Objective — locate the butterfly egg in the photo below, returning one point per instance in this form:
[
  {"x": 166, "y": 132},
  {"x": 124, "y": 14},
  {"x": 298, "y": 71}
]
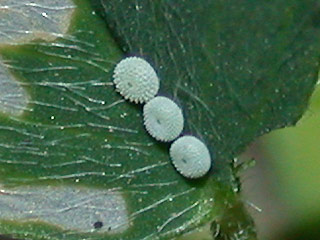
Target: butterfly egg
[
  {"x": 163, "y": 119},
  {"x": 136, "y": 80},
  {"x": 190, "y": 157}
]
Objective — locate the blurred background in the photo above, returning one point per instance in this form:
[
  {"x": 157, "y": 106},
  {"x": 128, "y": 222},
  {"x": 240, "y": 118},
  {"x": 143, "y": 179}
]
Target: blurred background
[
  {"x": 282, "y": 190},
  {"x": 284, "y": 184}
]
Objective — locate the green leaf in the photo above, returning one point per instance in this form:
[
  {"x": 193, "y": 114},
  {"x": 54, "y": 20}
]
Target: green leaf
[{"x": 237, "y": 68}]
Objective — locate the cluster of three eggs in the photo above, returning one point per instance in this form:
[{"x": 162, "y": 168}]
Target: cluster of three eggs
[{"x": 136, "y": 81}]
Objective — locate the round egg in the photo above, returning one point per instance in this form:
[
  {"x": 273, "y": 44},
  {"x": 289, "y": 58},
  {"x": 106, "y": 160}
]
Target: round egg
[
  {"x": 190, "y": 157},
  {"x": 163, "y": 119},
  {"x": 136, "y": 80}
]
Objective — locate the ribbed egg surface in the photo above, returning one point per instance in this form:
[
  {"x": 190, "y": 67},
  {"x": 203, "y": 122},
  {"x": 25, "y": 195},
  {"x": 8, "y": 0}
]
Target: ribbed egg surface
[
  {"x": 136, "y": 80},
  {"x": 163, "y": 119},
  {"x": 190, "y": 157}
]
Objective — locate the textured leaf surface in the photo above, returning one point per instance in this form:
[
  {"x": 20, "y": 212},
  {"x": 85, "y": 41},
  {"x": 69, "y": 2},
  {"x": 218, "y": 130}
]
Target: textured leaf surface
[{"x": 237, "y": 68}]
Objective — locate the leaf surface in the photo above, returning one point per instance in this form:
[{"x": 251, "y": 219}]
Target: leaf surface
[{"x": 237, "y": 69}]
